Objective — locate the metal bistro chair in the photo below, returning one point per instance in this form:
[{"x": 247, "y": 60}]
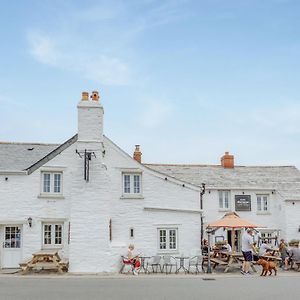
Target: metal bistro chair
[
  {"x": 195, "y": 262},
  {"x": 154, "y": 263},
  {"x": 169, "y": 261}
]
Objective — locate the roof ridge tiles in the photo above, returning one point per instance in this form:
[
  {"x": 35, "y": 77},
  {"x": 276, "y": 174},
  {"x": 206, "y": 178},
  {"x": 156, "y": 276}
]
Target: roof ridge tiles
[
  {"x": 29, "y": 143},
  {"x": 218, "y": 166}
]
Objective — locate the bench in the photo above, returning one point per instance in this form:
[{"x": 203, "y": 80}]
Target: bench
[
  {"x": 297, "y": 263},
  {"x": 24, "y": 264},
  {"x": 217, "y": 262},
  {"x": 64, "y": 263}
]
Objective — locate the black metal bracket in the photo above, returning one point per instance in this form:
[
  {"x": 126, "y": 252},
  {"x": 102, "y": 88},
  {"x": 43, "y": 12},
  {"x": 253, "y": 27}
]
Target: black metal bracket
[{"x": 87, "y": 155}]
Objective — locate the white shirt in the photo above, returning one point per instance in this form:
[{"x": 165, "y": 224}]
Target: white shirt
[
  {"x": 247, "y": 241},
  {"x": 263, "y": 249},
  {"x": 228, "y": 248}
]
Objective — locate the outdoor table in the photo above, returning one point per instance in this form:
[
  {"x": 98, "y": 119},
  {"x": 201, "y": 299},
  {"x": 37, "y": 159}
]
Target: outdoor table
[
  {"x": 271, "y": 258},
  {"x": 181, "y": 264},
  {"x": 44, "y": 259},
  {"x": 143, "y": 261},
  {"x": 236, "y": 258}
]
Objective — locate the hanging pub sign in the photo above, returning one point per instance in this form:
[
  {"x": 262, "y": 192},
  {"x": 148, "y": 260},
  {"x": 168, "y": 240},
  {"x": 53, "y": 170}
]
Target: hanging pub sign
[{"x": 242, "y": 202}]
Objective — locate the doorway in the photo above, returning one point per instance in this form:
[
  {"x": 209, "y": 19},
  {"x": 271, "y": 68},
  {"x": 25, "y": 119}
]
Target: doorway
[
  {"x": 11, "y": 236},
  {"x": 237, "y": 239}
]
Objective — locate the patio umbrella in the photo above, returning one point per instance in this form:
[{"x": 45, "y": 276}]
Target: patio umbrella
[{"x": 233, "y": 221}]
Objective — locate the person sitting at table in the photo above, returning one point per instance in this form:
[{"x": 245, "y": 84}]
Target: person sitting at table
[
  {"x": 264, "y": 248},
  {"x": 226, "y": 247},
  {"x": 294, "y": 255},
  {"x": 205, "y": 247},
  {"x": 132, "y": 259}
]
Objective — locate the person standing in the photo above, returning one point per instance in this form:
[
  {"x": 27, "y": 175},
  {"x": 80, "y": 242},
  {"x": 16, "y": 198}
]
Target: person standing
[{"x": 247, "y": 248}]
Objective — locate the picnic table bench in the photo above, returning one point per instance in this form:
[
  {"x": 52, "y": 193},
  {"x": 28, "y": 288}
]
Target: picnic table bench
[{"x": 45, "y": 259}]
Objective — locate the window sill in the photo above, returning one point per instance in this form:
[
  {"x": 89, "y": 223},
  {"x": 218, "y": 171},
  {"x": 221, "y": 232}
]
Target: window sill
[
  {"x": 224, "y": 209},
  {"x": 132, "y": 196},
  {"x": 263, "y": 213},
  {"x": 51, "y": 196},
  {"x": 171, "y": 252},
  {"x": 45, "y": 247}
]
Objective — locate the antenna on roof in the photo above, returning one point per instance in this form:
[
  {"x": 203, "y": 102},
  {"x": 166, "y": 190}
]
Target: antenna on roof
[{"x": 87, "y": 155}]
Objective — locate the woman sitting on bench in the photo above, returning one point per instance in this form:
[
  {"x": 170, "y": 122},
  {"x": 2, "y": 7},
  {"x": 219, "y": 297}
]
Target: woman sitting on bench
[{"x": 132, "y": 260}]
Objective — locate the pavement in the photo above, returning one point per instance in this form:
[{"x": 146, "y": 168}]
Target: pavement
[{"x": 144, "y": 287}]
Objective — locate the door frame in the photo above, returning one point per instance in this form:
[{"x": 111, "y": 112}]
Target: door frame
[{"x": 2, "y": 238}]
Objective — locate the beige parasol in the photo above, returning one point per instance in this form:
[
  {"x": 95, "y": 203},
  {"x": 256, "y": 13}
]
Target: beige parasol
[{"x": 232, "y": 220}]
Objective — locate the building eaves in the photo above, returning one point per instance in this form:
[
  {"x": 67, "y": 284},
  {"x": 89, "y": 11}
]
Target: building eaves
[{"x": 52, "y": 154}]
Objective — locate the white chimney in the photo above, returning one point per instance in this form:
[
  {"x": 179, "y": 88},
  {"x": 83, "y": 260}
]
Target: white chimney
[{"x": 90, "y": 118}]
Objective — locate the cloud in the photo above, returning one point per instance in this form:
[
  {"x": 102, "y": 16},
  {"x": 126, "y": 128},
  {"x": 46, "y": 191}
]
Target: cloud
[
  {"x": 101, "y": 68},
  {"x": 43, "y": 48}
]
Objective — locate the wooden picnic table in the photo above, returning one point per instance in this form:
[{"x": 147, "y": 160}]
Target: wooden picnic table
[
  {"x": 44, "y": 259},
  {"x": 271, "y": 257},
  {"x": 235, "y": 259}
]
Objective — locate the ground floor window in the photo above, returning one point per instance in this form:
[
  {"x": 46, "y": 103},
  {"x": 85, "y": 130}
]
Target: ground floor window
[
  {"x": 52, "y": 234},
  {"x": 12, "y": 237},
  {"x": 167, "y": 239}
]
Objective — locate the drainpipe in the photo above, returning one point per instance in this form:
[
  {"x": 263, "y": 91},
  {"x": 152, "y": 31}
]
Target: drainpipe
[{"x": 202, "y": 192}]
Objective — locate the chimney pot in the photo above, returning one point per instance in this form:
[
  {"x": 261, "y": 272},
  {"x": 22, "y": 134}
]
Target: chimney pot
[
  {"x": 137, "y": 155},
  {"x": 85, "y": 96},
  {"x": 95, "y": 96},
  {"x": 227, "y": 161}
]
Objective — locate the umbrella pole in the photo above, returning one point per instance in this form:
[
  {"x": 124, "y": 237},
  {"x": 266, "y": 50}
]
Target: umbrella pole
[{"x": 233, "y": 240}]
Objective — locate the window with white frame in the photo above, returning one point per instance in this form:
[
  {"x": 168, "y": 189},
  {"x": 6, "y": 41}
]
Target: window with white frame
[
  {"x": 51, "y": 183},
  {"x": 132, "y": 183},
  {"x": 52, "y": 235},
  {"x": 262, "y": 203},
  {"x": 167, "y": 239},
  {"x": 224, "y": 197}
]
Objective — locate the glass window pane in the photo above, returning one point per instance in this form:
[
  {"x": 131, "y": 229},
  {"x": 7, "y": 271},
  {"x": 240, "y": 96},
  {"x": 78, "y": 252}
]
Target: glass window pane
[
  {"x": 162, "y": 239},
  {"x": 58, "y": 234},
  {"x": 220, "y": 199},
  {"x": 265, "y": 203},
  {"x": 136, "y": 184},
  {"x": 258, "y": 203},
  {"x": 57, "y": 183},
  {"x": 172, "y": 239},
  {"x": 47, "y": 234},
  {"x": 46, "y": 183},
  {"x": 226, "y": 203},
  {"x": 126, "y": 183}
]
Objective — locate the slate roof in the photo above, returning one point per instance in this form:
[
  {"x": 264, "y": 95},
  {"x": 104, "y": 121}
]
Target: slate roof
[
  {"x": 19, "y": 156},
  {"x": 284, "y": 179}
]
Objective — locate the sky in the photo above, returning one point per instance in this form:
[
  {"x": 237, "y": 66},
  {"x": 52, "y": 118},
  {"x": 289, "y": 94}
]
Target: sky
[{"x": 187, "y": 80}]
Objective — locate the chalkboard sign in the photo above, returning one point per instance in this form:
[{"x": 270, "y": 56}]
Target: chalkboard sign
[{"x": 242, "y": 202}]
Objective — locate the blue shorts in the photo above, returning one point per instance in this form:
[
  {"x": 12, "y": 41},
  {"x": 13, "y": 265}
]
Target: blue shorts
[{"x": 248, "y": 255}]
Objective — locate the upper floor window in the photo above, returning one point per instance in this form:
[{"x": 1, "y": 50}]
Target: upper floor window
[
  {"x": 132, "y": 183},
  {"x": 167, "y": 239},
  {"x": 52, "y": 235},
  {"x": 52, "y": 182},
  {"x": 262, "y": 203},
  {"x": 224, "y": 199}
]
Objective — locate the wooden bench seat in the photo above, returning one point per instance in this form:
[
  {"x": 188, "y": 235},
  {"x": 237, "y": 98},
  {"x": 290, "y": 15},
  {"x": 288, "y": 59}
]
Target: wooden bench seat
[
  {"x": 297, "y": 263},
  {"x": 23, "y": 265},
  {"x": 218, "y": 262},
  {"x": 64, "y": 263}
]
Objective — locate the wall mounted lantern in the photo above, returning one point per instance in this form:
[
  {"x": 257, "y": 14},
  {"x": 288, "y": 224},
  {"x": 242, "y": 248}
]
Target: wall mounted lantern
[{"x": 29, "y": 220}]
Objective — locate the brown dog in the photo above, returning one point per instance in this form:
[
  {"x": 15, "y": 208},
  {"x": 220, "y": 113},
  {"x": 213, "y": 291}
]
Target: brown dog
[{"x": 267, "y": 266}]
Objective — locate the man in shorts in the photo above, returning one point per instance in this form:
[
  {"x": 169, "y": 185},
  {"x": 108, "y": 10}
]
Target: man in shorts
[{"x": 247, "y": 247}]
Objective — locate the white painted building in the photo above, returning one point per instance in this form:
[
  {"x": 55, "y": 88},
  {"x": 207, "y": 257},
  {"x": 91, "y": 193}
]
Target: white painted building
[
  {"x": 90, "y": 199},
  {"x": 49, "y": 199}
]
